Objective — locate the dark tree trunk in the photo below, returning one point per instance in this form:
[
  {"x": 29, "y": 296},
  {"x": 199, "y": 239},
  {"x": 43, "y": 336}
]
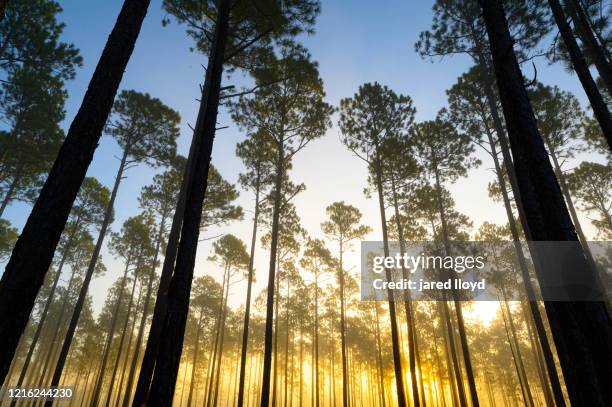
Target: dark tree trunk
[
  {"x": 582, "y": 70},
  {"x": 109, "y": 340},
  {"x": 141, "y": 328},
  {"x": 120, "y": 389},
  {"x": 111, "y": 384},
  {"x": 457, "y": 302},
  {"x": 161, "y": 301},
  {"x": 594, "y": 49},
  {"x": 59, "y": 367},
  {"x": 247, "y": 310},
  {"x": 9, "y": 193},
  {"x": 397, "y": 356},
  {"x": 267, "y": 363},
  {"x": 43, "y": 316},
  {"x": 343, "y": 332},
  {"x": 196, "y": 349},
  {"x": 508, "y": 162},
  {"x": 585, "y": 358},
  {"x": 145, "y": 312},
  {"x": 407, "y": 304},
  {"x": 33, "y": 252},
  {"x": 168, "y": 357}
]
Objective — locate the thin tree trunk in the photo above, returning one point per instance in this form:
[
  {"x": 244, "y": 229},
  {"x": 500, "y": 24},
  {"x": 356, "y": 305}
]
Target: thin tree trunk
[
  {"x": 458, "y": 311},
  {"x": 381, "y": 372},
  {"x": 109, "y": 338},
  {"x": 397, "y": 357},
  {"x": 247, "y": 310},
  {"x": 343, "y": 331},
  {"x": 594, "y": 49},
  {"x": 9, "y": 193},
  {"x": 221, "y": 340},
  {"x": 267, "y": 363},
  {"x": 123, "y": 332},
  {"x": 407, "y": 303},
  {"x": 33, "y": 252},
  {"x": 213, "y": 353},
  {"x": 196, "y": 348},
  {"x": 168, "y": 357},
  {"x": 585, "y": 357},
  {"x": 59, "y": 367},
  {"x": 582, "y": 70},
  {"x": 120, "y": 388},
  {"x": 43, "y": 316},
  {"x": 145, "y": 312}
]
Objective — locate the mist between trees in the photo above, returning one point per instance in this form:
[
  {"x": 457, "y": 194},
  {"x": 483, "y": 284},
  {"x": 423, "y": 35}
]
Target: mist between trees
[{"x": 168, "y": 335}]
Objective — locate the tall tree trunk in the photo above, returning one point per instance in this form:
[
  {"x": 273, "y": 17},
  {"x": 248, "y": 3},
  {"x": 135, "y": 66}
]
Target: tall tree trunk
[
  {"x": 59, "y": 367},
  {"x": 519, "y": 356},
  {"x": 221, "y": 340},
  {"x": 343, "y": 331},
  {"x": 570, "y": 206},
  {"x": 51, "y": 349},
  {"x": 316, "y": 338},
  {"x": 161, "y": 300},
  {"x": 109, "y": 339},
  {"x": 33, "y": 252},
  {"x": 267, "y": 363},
  {"x": 407, "y": 303},
  {"x": 247, "y": 310},
  {"x": 120, "y": 388},
  {"x": 381, "y": 372},
  {"x": 10, "y": 192},
  {"x": 43, "y": 315},
  {"x": 455, "y": 375},
  {"x": 530, "y": 291},
  {"x": 582, "y": 70},
  {"x": 457, "y": 302},
  {"x": 145, "y": 312},
  {"x": 111, "y": 384},
  {"x": 196, "y": 348},
  {"x": 594, "y": 49},
  {"x": 397, "y": 357},
  {"x": 585, "y": 358},
  {"x": 276, "y": 319},
  {"x": 485, "y": 69},
  {"x": 168, "y": 357},
  {"x": 212, "y": 360}
]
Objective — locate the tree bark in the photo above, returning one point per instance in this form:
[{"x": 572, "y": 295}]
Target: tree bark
[
  {"x": 458, "y": 311},
  {"x": 33, "y": 252},
  {"x": 196, "y": 348},
  {"x": 43, "y": 315},
  {"x": 59, "y": 367},
  {"x": 123, "y": 332},
  {"x": 247, "y": 310},
  {"x": 407, "y": 304},
  {"x": 508, "y": 163},
  {"x": 585, "y": 358},
  {"x": 397, "y": 357},
  {"x": 168, "y": 357},
  {"x": 161, "y": 301},
  {"x": 594, "y": 49},
  {"x": 109, "y": 340},
  {"x": 145, "y": 312},
  {"x": 267, "y": 363},
  {"x": 10, "y": 192},
  {"x": 582, "y": 70}
]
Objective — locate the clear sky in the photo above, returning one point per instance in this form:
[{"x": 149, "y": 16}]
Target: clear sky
[{"x": 355, "y": 42}]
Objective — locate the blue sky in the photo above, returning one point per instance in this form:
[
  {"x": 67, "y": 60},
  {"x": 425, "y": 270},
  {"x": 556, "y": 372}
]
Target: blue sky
[{"x": 355, "y": 42}]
